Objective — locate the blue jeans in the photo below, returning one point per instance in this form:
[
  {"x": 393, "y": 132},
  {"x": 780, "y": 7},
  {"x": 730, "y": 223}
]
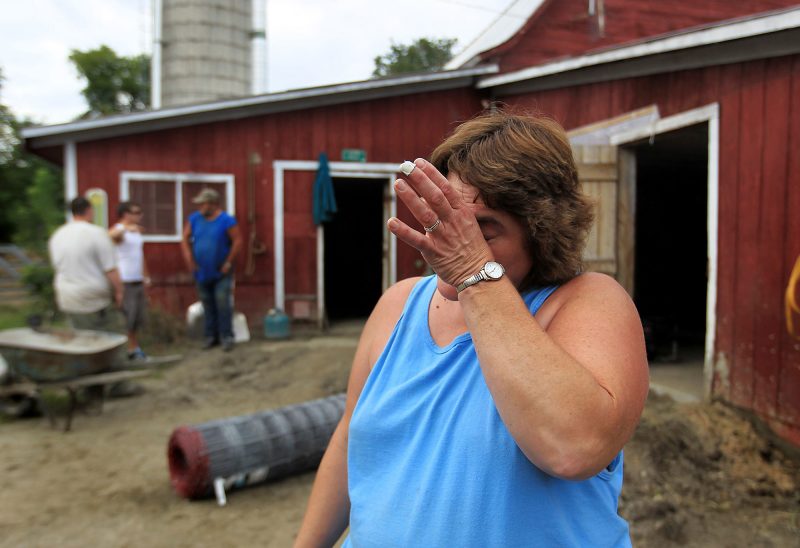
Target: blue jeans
[{"x": 216, "y": 298}]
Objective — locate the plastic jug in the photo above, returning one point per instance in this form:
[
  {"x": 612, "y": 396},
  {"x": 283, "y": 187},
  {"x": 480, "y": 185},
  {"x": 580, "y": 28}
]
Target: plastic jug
[{"x": 276, "y": 324}]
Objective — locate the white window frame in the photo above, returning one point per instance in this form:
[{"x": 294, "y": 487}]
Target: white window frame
[{"x": 125, "y": 177}]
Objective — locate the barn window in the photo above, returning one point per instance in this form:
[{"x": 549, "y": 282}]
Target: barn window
[{"x": 166, "y": 199}]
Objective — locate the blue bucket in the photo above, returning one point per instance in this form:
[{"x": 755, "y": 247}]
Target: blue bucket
[{"x": 276, "y": 324}]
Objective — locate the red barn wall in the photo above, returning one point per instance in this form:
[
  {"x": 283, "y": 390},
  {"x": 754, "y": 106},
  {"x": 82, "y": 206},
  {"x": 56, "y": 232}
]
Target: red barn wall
[
  {"x": 563, "y": 28},
  {"x": 757, "y": 363},
  {"x": 389, "y": 130}
]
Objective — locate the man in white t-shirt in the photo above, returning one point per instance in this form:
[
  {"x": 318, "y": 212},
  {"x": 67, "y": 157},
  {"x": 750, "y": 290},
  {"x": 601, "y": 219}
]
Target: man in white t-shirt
[
  {"x": 127, "y": 235},
  {"x": 87, "y": 282}
]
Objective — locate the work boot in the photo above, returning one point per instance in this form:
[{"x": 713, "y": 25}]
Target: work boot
[
  {"x": 227, "y": 344},
  {"x": 137, "y": 355}
]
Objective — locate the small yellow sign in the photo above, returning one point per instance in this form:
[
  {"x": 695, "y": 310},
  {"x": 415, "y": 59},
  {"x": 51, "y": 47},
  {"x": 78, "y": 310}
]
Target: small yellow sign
[{"x": 99, "y": 200}]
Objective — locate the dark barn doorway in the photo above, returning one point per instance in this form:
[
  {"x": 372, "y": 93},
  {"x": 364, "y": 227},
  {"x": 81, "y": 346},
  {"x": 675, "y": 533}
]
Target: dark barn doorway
[
  {"x": 354, "y": 249},
  {"x": 671, "y": 270}
]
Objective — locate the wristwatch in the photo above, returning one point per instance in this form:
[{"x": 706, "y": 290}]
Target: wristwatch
[{"x": 490, "y": 272}]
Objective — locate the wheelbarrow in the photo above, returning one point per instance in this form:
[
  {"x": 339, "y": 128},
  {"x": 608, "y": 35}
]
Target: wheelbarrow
[{"x": 68, "y": 359}]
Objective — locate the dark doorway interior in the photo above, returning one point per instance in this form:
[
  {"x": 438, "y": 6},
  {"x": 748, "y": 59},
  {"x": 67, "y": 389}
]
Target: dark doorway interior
[
  {"x": 671, "y": 242},
  {"x": 354, "y": 249}
]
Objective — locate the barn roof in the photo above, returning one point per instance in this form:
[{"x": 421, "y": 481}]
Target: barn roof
[
  {"x": 508, "y": 23},
  {"x": 760, "y": 36},
  {"x": 230, "y": 109}
]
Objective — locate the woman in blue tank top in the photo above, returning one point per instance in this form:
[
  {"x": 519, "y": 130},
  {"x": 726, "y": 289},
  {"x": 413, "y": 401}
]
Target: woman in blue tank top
[{"x": 488, "y": 404}]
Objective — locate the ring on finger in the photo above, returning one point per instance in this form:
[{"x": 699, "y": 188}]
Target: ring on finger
[{"x": 433, "y": 227}]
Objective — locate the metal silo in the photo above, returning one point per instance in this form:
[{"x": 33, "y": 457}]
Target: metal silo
[{"x": 203, "y": 50}]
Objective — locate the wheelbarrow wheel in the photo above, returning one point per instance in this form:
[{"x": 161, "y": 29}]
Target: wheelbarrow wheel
[{"x": 19, "y": 406}]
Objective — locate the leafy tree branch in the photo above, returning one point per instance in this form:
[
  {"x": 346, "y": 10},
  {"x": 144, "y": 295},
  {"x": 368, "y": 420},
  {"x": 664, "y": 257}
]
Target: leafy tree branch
[
  {"x": 423, "y": 55},
  {"x": 114, "y": 84}
]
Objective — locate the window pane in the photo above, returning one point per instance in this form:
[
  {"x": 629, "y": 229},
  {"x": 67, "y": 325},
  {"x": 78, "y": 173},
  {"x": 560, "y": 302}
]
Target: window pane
[
  {"x": 157, "y": 199},
  {"x": 192, "y": 188}
]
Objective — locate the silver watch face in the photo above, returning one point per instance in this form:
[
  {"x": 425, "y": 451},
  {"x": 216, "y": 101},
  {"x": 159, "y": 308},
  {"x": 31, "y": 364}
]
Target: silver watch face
[{"x": 493, "y": 270}]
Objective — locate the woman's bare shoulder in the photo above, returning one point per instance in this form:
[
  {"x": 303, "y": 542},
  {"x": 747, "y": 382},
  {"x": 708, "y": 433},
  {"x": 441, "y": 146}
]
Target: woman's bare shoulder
[
  {"x": 385, "y": 315},
  {"x": 590, "y": 281},
  {"x": 603, "y": 291},
  {"x": 391, "y": 303}
]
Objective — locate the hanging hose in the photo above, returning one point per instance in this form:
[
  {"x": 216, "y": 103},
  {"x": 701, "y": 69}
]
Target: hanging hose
[
  {"x": 254, "y": 245},
  {"x": 790, "y": 299}
]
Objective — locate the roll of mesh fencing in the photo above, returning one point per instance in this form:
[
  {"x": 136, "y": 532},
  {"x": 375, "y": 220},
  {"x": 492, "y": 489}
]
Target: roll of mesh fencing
[{"x": 238, "y": 451}]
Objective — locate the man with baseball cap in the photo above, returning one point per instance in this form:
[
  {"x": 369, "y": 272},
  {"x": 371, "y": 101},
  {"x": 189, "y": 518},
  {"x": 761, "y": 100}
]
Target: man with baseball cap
[{"x": 211, "y": 242}]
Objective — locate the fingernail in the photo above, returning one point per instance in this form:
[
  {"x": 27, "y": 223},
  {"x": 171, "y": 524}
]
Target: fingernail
[
  {"x": 400, "y": 185},
  {"x": 393, "y": 224},
  {"x": 407, "y": 167}
]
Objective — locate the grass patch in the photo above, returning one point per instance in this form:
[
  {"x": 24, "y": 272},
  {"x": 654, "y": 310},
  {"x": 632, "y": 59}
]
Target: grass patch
[{"x": 11, "y": 317}]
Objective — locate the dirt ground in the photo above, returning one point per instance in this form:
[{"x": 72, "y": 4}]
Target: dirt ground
[{"x": 696, "y": 475}]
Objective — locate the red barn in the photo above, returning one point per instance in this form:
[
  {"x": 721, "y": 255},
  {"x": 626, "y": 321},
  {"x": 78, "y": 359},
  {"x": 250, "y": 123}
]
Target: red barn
[{"x": 684, "y": 116}]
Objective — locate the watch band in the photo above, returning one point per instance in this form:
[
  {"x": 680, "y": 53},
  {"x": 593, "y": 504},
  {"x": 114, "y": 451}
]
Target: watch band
[{"x": 472, "y": 280}]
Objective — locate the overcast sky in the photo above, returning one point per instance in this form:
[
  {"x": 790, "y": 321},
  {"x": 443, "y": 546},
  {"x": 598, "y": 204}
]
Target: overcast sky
[{"x": 310, "y": 42}]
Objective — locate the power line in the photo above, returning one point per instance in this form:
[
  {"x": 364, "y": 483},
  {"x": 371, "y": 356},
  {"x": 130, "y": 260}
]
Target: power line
[
  {"x": 503, "y": 12},
  {"x": 499, "y": 16}
]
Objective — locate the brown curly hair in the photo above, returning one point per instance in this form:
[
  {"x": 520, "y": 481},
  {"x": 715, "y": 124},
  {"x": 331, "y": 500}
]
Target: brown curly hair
[{"x": 523, "y": 165}]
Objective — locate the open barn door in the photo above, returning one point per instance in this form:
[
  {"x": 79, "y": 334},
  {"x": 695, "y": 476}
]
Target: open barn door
[
  {"x": 608, "y": 175},
  {"x": 602, "y": 172}
]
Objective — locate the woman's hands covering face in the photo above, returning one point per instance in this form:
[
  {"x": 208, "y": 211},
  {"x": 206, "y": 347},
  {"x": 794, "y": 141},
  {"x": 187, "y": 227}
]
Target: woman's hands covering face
[{"x": 452, "y": 244}]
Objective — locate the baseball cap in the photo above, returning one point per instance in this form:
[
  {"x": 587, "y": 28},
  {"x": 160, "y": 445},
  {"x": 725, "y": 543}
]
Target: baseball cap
[{"x": 207, "y": 195}]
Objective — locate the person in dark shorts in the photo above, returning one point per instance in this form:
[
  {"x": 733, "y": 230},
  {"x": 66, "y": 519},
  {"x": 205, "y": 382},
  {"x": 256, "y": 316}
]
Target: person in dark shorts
[{"x": 127, "y": 235}]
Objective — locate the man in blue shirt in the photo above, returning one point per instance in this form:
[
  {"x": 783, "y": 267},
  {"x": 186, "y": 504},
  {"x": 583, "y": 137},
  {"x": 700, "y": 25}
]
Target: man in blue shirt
[{"x": 211, "y": 242}]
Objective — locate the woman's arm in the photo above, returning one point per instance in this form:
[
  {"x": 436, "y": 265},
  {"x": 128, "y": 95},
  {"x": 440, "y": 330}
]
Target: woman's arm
[
  {"x": 570, "y": 386},
  {"x": 328, "y": 509}
]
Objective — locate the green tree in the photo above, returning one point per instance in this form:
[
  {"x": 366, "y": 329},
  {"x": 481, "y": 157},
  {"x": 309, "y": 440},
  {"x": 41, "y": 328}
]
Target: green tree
[
  {"x": 114, "y": 83},
  {"x": 43, "y": 210},
  {"x": 11, "y": 187},
  {"x": 423, "y": 55},
  {"x": 30, "y": 188}
]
